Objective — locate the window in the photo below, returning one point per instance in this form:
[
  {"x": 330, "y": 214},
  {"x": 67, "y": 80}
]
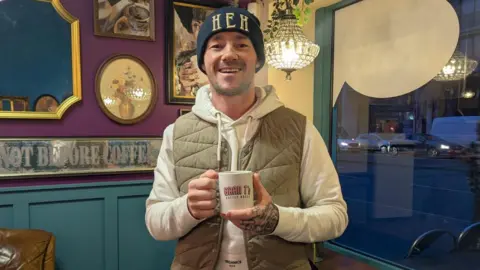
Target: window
[{"x": 412, "y": 173}]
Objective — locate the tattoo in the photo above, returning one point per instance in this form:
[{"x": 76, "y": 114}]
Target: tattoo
[{"x": 265, "y": 219}]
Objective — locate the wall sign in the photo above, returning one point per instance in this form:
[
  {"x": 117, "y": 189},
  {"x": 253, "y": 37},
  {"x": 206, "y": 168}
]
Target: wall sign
[{"x": 27, "y": 158}]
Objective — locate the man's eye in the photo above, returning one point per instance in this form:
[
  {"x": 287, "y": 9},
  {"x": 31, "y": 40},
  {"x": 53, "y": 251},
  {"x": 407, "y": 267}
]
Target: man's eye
[
  {"x": 243, "y": 45},
  {"x": 215, "y": 46}
]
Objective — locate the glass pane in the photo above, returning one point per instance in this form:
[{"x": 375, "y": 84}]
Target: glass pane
[{"x": 407, "y": 164}]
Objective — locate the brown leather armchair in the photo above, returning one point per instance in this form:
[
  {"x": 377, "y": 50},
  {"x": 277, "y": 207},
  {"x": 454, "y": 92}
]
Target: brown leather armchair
[{"x": 27, "y": 249}]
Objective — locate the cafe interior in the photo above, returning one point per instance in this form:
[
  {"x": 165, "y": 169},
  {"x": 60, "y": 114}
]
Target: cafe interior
[{"x": 87, "y": 88}]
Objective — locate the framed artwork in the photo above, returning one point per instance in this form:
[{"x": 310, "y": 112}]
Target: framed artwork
[
  {"x": 183, "y": 111},
  {"x": 125, "y": 88},
  {"x": 60, "y": 33},
  {"x": 130, "y": 19},
  {"x": 183, "y": 77}
]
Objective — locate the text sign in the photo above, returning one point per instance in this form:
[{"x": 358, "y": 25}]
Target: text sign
[{"x": 58, "y": 156}]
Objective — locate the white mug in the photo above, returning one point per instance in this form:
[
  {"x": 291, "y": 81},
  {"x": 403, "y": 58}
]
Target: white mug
[{"x": 236, "y": 190}]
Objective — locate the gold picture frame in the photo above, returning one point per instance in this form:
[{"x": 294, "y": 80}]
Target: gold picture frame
[
  {"x": 125, "y": 89},
  {"x": 76, "y": 79},
  {"x": 128, "y": 19}
]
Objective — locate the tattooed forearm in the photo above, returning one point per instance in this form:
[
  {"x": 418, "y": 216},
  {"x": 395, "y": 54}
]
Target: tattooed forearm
[{"x": 265, "y": 220}]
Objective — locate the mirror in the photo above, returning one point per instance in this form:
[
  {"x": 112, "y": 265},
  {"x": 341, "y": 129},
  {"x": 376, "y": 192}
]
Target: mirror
[{"x": 40, "y": 76}]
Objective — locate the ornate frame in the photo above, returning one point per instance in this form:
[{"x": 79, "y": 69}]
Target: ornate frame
[
  {"x": 76, "y": 72},
  {"x": 154, "y": 95}
]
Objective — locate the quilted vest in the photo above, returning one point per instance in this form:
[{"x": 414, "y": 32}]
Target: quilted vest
[{"x": 275, "y": 151}]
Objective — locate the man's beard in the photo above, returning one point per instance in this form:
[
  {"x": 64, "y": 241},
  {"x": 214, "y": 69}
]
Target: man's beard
[{"x": 242, "y": 88}]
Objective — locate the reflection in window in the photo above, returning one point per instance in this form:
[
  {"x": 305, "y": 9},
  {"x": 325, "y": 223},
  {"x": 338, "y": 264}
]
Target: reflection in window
[{"x": 408, "y": 164}]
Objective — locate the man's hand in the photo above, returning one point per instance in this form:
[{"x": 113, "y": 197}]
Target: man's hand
[
  {"x": 202, "y": 197},
  {"x": 262, "y": 218},
  {"x": 188, "y": 76}
]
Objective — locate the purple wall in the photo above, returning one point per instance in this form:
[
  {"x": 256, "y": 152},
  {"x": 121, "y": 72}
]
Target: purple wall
[{"x": 85, "y": 119}]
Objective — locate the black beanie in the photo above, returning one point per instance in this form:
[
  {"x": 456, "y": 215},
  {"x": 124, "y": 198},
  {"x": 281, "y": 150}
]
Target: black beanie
[{"x": 231, "y": 19}]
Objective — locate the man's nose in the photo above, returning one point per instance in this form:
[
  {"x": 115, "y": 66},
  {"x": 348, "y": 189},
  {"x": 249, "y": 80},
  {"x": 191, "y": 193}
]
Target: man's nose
[{"x": 230, "y": 54}]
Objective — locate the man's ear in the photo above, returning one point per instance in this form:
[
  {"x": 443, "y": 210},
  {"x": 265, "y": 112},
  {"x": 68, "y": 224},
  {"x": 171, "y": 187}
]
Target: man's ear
[
  {"x": 257, "y": 65},
  {"x": 203, "y": 66}
]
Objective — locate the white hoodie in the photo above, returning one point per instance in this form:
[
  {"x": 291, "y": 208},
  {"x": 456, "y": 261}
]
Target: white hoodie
[{"x": 325, "y": 214}]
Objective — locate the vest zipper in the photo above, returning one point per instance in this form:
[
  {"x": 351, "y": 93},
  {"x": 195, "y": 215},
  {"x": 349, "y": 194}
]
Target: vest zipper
[
  {"x": 249, "y": 264},
  {"x": 219, "y": 245}
]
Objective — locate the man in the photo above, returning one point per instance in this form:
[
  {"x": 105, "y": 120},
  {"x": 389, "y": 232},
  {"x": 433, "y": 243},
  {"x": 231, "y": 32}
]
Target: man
[{"x": 237, "y": 126}]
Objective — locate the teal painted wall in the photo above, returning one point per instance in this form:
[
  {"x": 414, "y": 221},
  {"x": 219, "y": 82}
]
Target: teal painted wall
[{"x": 98, "y": 226}]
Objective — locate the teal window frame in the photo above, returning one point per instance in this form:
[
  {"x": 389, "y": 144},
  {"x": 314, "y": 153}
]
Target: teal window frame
[{"x": 325, "y": 115}]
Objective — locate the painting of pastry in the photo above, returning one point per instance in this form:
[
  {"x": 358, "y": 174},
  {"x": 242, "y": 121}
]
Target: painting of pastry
[{"x": 131, "y": 19}]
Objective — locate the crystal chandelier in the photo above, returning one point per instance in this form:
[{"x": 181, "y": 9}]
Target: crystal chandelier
[
  {"x": 468, "y": 94},
  {"x": 457, "y": 68},
  {"x": 289, "y": 49}
]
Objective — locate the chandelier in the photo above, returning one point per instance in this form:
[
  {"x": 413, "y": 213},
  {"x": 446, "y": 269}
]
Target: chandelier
[
  {"x": 289, "y": 49},
  {"x": 468, "y": 93},
  {"x": 458, "y": 67}
]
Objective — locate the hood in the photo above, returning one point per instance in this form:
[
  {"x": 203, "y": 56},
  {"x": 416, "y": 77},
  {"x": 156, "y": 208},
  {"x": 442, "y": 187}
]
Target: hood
[{"x": 267, "y": 101}]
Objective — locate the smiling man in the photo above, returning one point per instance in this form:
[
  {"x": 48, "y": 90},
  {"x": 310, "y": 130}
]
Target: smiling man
[{"x": 235, "y": 125}]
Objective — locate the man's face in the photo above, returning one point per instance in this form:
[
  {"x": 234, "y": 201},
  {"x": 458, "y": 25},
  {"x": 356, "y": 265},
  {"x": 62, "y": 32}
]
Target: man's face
[{"x": 229, "y": 63}]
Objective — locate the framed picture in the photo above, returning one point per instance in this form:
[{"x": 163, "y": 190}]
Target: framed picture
[
  {"x": 130, "y": 19},
  {"x": 183, "y": 111},
  {"x": 125, "y": 88},
  {"x": 183, "y": 77}
]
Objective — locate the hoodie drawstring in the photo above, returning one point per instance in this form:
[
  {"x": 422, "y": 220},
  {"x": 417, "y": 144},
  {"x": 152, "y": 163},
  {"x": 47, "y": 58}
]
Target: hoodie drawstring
[
  {"x": 245, "y": 134},
  {"x": 219, "y": 145}
]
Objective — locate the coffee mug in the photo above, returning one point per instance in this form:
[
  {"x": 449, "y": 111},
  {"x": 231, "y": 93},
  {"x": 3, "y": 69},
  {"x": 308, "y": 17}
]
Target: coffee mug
[{"x": 236, "y": 190}]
